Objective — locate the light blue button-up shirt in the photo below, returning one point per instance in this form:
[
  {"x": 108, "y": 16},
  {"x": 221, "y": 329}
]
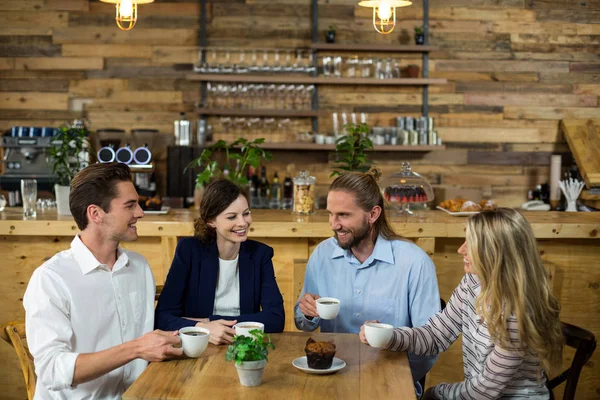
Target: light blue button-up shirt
[{"x": 396, "y": 285}]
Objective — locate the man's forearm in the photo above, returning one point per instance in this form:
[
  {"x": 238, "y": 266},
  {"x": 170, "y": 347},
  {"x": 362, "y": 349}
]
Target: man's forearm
[{"x": 90, "y": 366}]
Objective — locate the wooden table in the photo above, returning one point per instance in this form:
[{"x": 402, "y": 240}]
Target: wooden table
[{"x": 369, "y": 374}]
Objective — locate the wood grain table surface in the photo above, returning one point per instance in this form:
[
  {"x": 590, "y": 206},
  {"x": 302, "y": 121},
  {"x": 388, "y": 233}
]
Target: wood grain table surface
[{"x": 369, "y": 374}]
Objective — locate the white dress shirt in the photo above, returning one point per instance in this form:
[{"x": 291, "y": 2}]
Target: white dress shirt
[
  {"x": 227, "y": 295},
  {"x": 74, "y": 305}
]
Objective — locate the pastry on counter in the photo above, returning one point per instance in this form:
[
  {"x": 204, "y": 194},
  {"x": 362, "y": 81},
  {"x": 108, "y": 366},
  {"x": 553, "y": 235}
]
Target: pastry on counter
[{"x": 470, "y": 206}]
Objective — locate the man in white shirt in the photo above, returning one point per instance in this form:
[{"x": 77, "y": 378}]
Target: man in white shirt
[{"x": 90, "y": 309}]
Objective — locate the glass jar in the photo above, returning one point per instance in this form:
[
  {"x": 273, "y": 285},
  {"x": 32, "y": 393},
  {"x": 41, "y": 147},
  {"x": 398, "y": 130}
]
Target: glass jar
[
  {"x": 304, "y": 193},
  {"x": 406, "y": 187}
]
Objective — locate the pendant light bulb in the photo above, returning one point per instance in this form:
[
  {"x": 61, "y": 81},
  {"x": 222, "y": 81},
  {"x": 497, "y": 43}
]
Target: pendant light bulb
[{"x": 126, "y": 8}]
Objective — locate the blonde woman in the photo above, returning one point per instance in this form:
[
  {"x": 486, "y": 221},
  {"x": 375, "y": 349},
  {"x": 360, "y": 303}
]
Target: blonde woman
[{"x": 503, "y": 308}]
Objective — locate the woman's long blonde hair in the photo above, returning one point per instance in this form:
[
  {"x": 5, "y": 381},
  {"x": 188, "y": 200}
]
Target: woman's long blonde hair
[{"x": 503, "y": 253}]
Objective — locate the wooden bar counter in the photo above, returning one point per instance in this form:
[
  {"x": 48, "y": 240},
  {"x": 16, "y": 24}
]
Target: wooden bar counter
[{"x": 568, "y": 245}]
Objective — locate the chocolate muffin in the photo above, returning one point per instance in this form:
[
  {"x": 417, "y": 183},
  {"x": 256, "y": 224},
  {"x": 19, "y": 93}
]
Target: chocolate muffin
[{"x": 319, "y": 355}]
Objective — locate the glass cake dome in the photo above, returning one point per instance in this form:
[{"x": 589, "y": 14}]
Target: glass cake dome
[{"x": 406, "y": 187}]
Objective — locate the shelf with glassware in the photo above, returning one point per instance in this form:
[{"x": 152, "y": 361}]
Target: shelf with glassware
[{"x": 320, "y": 80}]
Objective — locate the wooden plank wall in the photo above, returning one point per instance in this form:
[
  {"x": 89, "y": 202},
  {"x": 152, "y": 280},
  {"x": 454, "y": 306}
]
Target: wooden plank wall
[{"x": 514, "y": 69}]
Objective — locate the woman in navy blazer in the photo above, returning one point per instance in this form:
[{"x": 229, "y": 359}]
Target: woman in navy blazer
[{"x": 188, "y": 297}]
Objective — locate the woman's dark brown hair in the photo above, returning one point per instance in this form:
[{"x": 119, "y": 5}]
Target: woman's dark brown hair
[
  {"x": 95, "y": 184},
  {"x": 367, "y": 195},
  {"x": 218, "y": 195}
]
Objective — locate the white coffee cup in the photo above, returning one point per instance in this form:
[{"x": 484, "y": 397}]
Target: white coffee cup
[
  {"x": 194, "y": 340},
  {"x": 328, "y": 307},
  {"x": 378, "y": 335},
  {"x": 244, "y": 328}
]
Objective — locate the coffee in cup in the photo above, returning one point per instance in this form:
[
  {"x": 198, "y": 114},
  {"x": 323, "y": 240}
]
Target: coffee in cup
[
  {"x": 244, "y": 328},
  {"x": 328, "y": 307},
  {"x": 194, "y": 340},
  {"x": 378, "y": 335}
]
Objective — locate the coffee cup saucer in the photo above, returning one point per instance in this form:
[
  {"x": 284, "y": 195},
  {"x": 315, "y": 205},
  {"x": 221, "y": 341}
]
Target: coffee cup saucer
[{"x": 302, "y": 364}]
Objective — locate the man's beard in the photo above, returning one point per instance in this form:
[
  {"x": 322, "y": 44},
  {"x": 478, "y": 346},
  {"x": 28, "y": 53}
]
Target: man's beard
[{"x": 357, "y": 236}]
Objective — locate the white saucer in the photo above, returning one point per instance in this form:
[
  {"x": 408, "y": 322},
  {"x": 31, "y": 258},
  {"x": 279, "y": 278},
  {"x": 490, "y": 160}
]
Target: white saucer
[{"x": 302, "y": 365}]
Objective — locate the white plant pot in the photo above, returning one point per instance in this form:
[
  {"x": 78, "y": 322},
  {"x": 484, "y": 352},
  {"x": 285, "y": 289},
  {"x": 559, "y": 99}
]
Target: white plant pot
[
  {"x": 62, "y": 199},
  {"x": 251, "y": 372}
]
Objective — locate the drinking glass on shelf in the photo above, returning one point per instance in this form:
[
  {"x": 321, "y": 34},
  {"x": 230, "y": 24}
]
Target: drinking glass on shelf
[
  {"x": 280, "y": 98},
  {"x": 290, "y": 93},
  {"x": 269, "y": 124},
  {"x": 310, "y": 67},
  {"x": 243, "y": 96},
  {"x": 388, "y": 71},
  {"x": 29, "y": 197},
  {"x": 226, "y": 123},
  {"x": 379, "y": 71},
  {"x": 351, "y": 67},
  {"x": 299, "y": 95},
  {"x": 310, "y": 90},
  {"x": 337, "y": 67},
  {"x": 288, "y": 67},
  {"x": 336, "y": 124},
  {"x": 2, "y": 202},
  {"x": 327, "y": 66},
  {"x": 366, "y": 64},
  {"x": 240, "y": 125},
  {"x": 270, "y": 96}
]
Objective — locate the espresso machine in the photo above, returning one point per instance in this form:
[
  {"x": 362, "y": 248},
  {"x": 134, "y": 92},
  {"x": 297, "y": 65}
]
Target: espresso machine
[{"x": 24, "y": 158}]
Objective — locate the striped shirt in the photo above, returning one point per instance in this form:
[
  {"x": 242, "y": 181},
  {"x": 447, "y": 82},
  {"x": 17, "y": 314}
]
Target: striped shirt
[{"x": 491, "y": 371}]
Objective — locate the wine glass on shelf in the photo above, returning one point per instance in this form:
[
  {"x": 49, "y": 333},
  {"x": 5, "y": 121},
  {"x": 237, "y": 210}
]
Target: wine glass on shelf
[
  {"x": 265, "y": 67},
  {"x": 242, "y": 67},
  {"x": 213, "y": 63},
  {"x": 298, "y": 66},
  {"x": 228, "y": 66},
  {"x": 253, "y": 62},
  {"x": 288, "y": 67},
  {"x": 276, "y": 64}
]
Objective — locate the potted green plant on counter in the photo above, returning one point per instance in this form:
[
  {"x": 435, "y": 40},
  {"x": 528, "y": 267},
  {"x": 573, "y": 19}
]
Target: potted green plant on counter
[
  {"x": 250, "y": 356},
  {"x": 67, "y": 155},
  {"x": 239, "y": 155},
  {"x": 350, "y": 150}
]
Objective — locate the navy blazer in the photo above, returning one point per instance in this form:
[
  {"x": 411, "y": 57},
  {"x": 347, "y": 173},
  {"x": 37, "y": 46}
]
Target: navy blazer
[{"x": 192, "y": 281}]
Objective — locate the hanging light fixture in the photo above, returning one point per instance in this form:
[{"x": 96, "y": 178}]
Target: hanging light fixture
[
  {"x": 384, "y": 13},
  {"x": 126, "y": 12}
]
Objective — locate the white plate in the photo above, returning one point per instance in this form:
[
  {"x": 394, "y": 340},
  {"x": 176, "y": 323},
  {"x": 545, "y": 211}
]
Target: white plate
[
  {"x": 302, "y": 365},
  {"x": 163, "y": 210},
  {"x": 460, "y": 213}
]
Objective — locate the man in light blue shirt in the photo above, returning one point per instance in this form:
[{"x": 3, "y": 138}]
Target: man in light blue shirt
[{"x": 375, "y": 274}]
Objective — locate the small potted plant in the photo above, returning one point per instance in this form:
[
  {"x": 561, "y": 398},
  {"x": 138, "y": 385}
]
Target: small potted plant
[
  {"x": 419, "y": 36},
  {"x": 239, "y": 155},
  {"x": 67, "y": 156},
  {"x": 330, "y": 35},
  {"x": 250, "y": 356},
  {"x": 350, "y": 150}
]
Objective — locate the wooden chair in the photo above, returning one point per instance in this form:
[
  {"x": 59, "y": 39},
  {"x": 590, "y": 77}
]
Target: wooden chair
[
  {"x": 159, "y": 289},
  {"x": 585, "y": 343},
  {"x": 14, "y": 334}
]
